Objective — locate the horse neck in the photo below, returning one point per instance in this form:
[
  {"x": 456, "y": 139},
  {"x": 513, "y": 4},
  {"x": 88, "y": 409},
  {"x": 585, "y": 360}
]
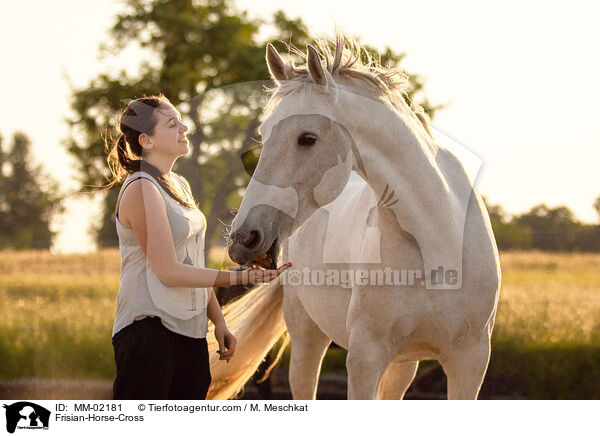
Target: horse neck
[
  {"x": 393, "y": 151},
  {"x": 396, "y": 152}
]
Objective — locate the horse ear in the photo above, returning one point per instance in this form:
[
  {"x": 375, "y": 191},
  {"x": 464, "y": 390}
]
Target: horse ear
[
  {"x": 277, "y": 67},
  {"x": 314, "y": 66}
]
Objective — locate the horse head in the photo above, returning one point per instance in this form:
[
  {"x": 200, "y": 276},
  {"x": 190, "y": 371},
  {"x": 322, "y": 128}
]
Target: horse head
[{"x": 305, "y": 163}]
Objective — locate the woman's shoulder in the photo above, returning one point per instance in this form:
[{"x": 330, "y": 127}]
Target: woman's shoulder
[
  {"x": 137, "y": 176},
  {"x": 133, "y": 187},
  {"x": 140, "y": 196},
  {"x": 134, "y": 182}
]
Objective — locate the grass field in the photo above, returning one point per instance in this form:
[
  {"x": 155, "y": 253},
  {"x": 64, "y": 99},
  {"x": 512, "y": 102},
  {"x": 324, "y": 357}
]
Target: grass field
[{"x": 57, "y": 311}]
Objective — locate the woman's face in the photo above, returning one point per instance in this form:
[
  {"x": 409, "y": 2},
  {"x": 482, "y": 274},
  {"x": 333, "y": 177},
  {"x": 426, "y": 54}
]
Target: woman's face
[{"x": 169, "y": 133}]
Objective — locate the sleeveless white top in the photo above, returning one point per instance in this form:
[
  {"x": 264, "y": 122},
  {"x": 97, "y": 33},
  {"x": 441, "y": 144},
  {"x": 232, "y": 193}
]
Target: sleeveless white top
[{"x": 141, "y": 293}]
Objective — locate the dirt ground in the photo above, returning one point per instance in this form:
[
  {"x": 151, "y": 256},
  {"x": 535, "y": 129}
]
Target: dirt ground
[{"x": 428, "y": 385}]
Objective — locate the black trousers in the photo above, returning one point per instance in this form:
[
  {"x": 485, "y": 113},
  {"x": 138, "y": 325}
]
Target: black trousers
[{"x": 154, "y": 363}]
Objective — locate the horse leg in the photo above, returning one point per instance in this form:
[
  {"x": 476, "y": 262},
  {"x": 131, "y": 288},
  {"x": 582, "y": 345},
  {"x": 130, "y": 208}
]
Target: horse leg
[
  {"x": 465, "y": 368},
  {"x": 396, "y": 379},
  {"x": 308, "y": 347},
  {"x": 367, "y": 360}
]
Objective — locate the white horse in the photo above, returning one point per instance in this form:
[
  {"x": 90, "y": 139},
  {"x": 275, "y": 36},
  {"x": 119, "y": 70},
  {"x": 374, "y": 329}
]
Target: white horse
[{"x": 351, "y": 185}]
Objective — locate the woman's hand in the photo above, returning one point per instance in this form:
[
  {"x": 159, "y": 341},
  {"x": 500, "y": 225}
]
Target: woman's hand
[
  {"x": 226, "y": 340},
  {"x": 256, "y": 275}
]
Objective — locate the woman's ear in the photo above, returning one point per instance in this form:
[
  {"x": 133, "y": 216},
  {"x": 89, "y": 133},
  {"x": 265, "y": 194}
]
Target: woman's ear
[{"x": 145, "y": 141}]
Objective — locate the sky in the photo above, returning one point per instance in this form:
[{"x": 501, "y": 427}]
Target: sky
[{"x": 520, "y": 81}]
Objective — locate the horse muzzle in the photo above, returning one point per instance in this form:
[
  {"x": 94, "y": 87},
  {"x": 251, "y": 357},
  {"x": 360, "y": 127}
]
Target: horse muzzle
[{"x": 252, "y": 248}]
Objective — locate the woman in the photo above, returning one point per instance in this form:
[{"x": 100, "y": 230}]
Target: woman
[{"x": 165, "y": 297}]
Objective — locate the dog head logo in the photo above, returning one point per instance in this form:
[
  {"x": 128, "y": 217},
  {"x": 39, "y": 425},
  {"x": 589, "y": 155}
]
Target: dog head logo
[{"x": 26, "y": 415}]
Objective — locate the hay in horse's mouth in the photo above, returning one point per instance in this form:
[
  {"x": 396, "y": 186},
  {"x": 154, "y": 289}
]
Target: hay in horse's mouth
[{"x": 267, "y": 260}]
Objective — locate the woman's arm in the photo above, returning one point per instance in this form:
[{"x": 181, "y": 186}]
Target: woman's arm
[
  {"x": 143, "y": 209},
  {"x": 213, "y": 309},
  {"x": 225, "y": 338}
]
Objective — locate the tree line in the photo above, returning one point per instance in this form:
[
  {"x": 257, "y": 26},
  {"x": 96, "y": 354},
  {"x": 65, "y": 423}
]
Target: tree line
[
  {"x": 544, "y": 228},
  {"x": 29, "y": 199}
]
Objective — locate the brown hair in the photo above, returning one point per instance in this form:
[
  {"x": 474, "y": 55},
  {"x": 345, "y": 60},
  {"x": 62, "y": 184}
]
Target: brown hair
[{"x": 125, "y": 156}]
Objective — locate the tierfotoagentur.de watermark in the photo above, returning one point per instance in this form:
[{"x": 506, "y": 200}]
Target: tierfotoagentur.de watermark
[{"x": 347, "y": 278}]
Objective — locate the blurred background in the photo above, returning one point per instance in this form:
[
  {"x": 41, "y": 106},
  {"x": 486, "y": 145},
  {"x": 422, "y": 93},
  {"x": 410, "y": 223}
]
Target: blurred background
[{"x": 515, "y": 83}]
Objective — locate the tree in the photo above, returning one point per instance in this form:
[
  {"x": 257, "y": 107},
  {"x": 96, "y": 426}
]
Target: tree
[
  {"x": 28, "y": 199},
  {"x": 206, "y": 58},
  {"x": 508, "y": 234},
  {"x": 552, "y": 229},
  {"x": 543, "y": 228},
  {"x": 597, "y": 207}
]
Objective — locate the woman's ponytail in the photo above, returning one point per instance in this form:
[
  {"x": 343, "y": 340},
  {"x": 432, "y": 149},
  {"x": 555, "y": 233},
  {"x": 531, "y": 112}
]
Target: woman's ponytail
[
  {"x": 127, "y": 159},
  {"x": 122, "y": 151},
  {"x": 120, "y": 160}
]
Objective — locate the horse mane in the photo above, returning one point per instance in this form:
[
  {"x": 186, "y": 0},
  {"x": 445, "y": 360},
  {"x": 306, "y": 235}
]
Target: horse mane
[{"x": 345, "y": 59}]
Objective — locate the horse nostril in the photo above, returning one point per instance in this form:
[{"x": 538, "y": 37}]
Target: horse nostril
[
  {"x": 254, "y": 240},
  {"x": 250, "y": 239}
]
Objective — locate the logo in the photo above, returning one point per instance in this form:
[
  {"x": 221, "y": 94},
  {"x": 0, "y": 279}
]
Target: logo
[{"x": 26, "y": 415}]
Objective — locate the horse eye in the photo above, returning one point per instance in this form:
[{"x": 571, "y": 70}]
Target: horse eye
[{"x": 307, "y": 139}]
